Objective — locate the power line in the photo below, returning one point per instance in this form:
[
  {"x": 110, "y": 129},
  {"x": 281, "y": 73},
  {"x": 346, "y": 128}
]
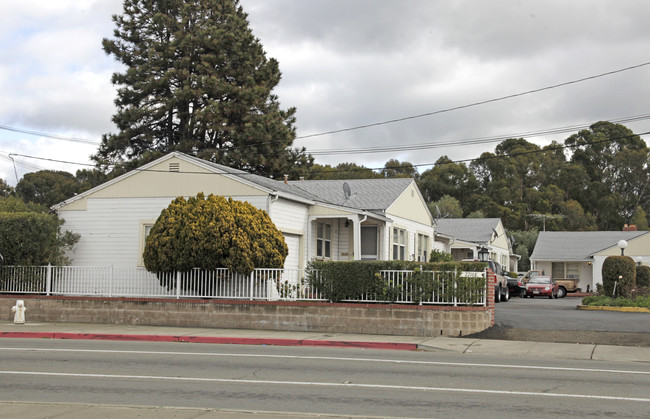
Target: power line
[
  {"x": 483, "y": 102},
  {"x": 242, "y": 173},
  {"x": 470, "y": 141},
  {"x": 48, "y": 135}
]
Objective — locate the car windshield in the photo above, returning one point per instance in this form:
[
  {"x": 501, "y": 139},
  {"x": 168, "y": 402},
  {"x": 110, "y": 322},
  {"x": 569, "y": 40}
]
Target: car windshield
[{"x": 540, "y": 280}]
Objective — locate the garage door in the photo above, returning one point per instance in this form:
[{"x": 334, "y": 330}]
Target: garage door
[{"x": 293, "y": 258}]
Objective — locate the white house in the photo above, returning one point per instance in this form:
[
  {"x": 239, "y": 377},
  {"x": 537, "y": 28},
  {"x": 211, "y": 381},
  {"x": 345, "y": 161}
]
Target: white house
[
  {"x": 464, "y": 237},
  {"x": 580, "y": 254},
  {"x": 373, "y": 219}
]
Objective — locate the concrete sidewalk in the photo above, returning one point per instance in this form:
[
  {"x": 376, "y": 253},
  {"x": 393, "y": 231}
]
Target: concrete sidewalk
[{"x": 467, "y": 346}]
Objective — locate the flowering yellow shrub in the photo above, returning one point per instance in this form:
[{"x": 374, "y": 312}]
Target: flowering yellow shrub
[{"x": 211, "y": 233}]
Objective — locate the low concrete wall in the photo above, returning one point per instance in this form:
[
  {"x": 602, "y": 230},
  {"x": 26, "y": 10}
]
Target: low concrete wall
[{"x": 388, "y": 319}]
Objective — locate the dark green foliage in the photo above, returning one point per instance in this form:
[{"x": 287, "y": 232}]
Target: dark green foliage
[
  {"x": 605, "y": 301},
  {"x": 340, "y": 281},
  {"x": 213, "y": 232},
  {"x": 395, "y": 168},
  {"x": 197, "y": 81},
  {"x": 341, "y": 171},
  {"x": 30, "y": 238},
  {"x": 643, "y": 276},
  {"x": 5, "y": 189},
  {"x": 438, "y": 256},
  {"x": 619, "y": 270},
  {"x": 47, "y": 187}
]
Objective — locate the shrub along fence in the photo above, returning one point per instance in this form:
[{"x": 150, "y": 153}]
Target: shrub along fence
[{"x": 367, "y": 282}]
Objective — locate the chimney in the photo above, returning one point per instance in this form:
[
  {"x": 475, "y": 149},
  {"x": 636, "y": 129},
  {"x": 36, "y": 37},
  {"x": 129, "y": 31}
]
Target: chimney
[
  {"x": 286, "y": 179},
  {"x": 302, "y": 178},
  {"x": 630, "y": 227}
]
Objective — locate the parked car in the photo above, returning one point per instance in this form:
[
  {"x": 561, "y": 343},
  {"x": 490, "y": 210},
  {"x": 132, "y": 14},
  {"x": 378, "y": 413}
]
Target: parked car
[
  {"x": 501, "y": 289},
  {"x": 565, "y": 285},
  {"x": 516, "y": 286},
  {"x": 541, "y": 285}
]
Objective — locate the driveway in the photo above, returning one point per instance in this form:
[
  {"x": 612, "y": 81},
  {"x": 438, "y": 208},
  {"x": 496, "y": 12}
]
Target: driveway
[
  {"x": 558, "y": 320},
  {"x": 561, "y": 314}
]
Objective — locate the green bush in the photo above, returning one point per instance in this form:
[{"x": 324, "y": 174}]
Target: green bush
[
  {"x": 619, "y": 274},
  {"x": 31, "y": 238},
  {"x": 354, "y": 280},
  {"x": 643, "y": 276},
  {"x": 605, "y": 301},
  {"x": 438, "y": 256},
  {"x": 213, "y": 232}
]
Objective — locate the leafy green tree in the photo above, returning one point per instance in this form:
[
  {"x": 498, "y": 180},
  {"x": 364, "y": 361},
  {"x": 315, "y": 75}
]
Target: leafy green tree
[
  {"x": 47, "y": 187},
  {"x": 640, "y": 219},
  {"x": 31, "y": 236},
  {"x": 524, "y": 243},
  {"x": 616, "y": 164},
  {"x": 5, "y": 188},
  {"x": 341, "y": 171},
  {"x": 213, "y": 232},
  {"x": 197, "y": 81},
  {"x": 447, "y": 178},
  {"x": 448, "y": 206},
  {"x": 395, "y": 168}
]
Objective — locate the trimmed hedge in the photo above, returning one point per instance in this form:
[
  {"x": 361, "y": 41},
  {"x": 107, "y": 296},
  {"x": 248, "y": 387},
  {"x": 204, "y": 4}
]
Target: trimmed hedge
[
  {"x": 619, "y": 272},
  {"x": 340, "y": 281},
  {"x": 643, "y": 276}
]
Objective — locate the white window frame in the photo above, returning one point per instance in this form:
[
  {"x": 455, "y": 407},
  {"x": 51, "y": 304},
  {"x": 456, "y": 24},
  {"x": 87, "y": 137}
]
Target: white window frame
[
  {"x": 324, "y": 240},
  {"x": 145, "y": 229},
  {"x": 400, "y": 238},
  {"x": 423, "y": 248}
]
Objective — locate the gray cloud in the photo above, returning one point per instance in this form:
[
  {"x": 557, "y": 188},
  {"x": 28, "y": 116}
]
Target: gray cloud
[{"x": 353, "y": 62}]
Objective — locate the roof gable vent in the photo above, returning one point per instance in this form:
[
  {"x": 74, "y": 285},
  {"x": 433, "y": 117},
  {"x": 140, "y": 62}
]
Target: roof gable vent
[{"x": 174, "y": 167}]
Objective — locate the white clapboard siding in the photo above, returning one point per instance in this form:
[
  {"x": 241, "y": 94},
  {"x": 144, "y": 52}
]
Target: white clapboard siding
[{"x": 110, "y": 229}]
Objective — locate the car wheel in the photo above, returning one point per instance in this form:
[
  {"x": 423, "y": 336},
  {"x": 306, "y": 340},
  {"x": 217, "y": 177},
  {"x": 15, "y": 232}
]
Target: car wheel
[
  {"x": 561, "y": 292},
  {"x": 506, "y": 294},
  {"x": 497, "y": 294}
]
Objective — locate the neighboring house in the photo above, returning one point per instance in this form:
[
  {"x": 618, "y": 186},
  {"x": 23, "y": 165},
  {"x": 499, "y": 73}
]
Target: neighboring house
[
  {"x": 464, "y": 238},
  {"x": 567, "y": 254},
  {"x": 372, "y": 219}
]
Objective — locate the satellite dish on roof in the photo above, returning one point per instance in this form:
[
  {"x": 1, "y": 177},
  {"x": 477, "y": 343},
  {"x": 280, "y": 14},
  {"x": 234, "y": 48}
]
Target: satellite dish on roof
[{"x": 347, "y": 192}]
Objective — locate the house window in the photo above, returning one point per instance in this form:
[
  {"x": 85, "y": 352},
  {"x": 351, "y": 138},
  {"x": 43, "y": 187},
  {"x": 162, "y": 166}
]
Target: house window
[
  {"x": 423, "y": 250},
  {"x": 323, "y": 240},
  {"x": 399, "y": 244},
  {"x": 561, "y": 270},
  {"x": 145, "y": 230}
]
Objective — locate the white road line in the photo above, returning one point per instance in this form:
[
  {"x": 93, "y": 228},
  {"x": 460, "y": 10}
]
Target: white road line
[
  {"x": 323, "y": 384},
  {"x": 324, "y": 358}
]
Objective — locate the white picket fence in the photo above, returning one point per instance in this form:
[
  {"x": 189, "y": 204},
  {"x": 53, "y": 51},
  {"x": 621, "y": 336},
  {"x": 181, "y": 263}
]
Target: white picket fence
[{"x": 261, "y": 284}]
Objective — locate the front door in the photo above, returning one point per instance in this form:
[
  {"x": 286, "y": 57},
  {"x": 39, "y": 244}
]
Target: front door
[{"x": 369, "y": 243}]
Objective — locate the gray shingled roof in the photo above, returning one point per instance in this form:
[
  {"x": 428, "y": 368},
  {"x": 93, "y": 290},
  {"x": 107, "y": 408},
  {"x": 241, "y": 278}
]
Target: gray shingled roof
[
  {"x": 474, "y": 230},
  {"x": 577, "y": 245},
  {"x": 367, "y": 194}
]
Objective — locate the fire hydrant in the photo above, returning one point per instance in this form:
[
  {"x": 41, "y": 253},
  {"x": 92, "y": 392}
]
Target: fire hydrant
[{"x": 19, "y": 309}]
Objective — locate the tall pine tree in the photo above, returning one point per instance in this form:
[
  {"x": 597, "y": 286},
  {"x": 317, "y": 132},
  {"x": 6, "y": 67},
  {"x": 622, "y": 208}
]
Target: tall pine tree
[{"x": 197, "y": 81}]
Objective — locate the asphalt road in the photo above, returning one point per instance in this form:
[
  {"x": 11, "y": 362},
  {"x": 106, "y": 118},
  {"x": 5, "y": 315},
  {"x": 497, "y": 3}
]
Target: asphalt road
[{"x": 316, "y": 380}]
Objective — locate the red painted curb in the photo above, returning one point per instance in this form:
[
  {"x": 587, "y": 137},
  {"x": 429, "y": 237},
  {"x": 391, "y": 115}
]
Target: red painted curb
[{"x": 212, "y": 339}]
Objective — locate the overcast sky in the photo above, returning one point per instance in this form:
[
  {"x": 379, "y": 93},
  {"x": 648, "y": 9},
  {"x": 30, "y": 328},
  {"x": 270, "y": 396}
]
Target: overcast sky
[{"x": 347, "y": 63}]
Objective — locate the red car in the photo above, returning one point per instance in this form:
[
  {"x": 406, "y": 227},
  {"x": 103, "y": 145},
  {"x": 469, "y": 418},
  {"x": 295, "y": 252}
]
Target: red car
[{"x": 541, "y": 285}]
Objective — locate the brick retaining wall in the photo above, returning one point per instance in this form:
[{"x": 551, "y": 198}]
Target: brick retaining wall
[{"x": 388, "y": 319}]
